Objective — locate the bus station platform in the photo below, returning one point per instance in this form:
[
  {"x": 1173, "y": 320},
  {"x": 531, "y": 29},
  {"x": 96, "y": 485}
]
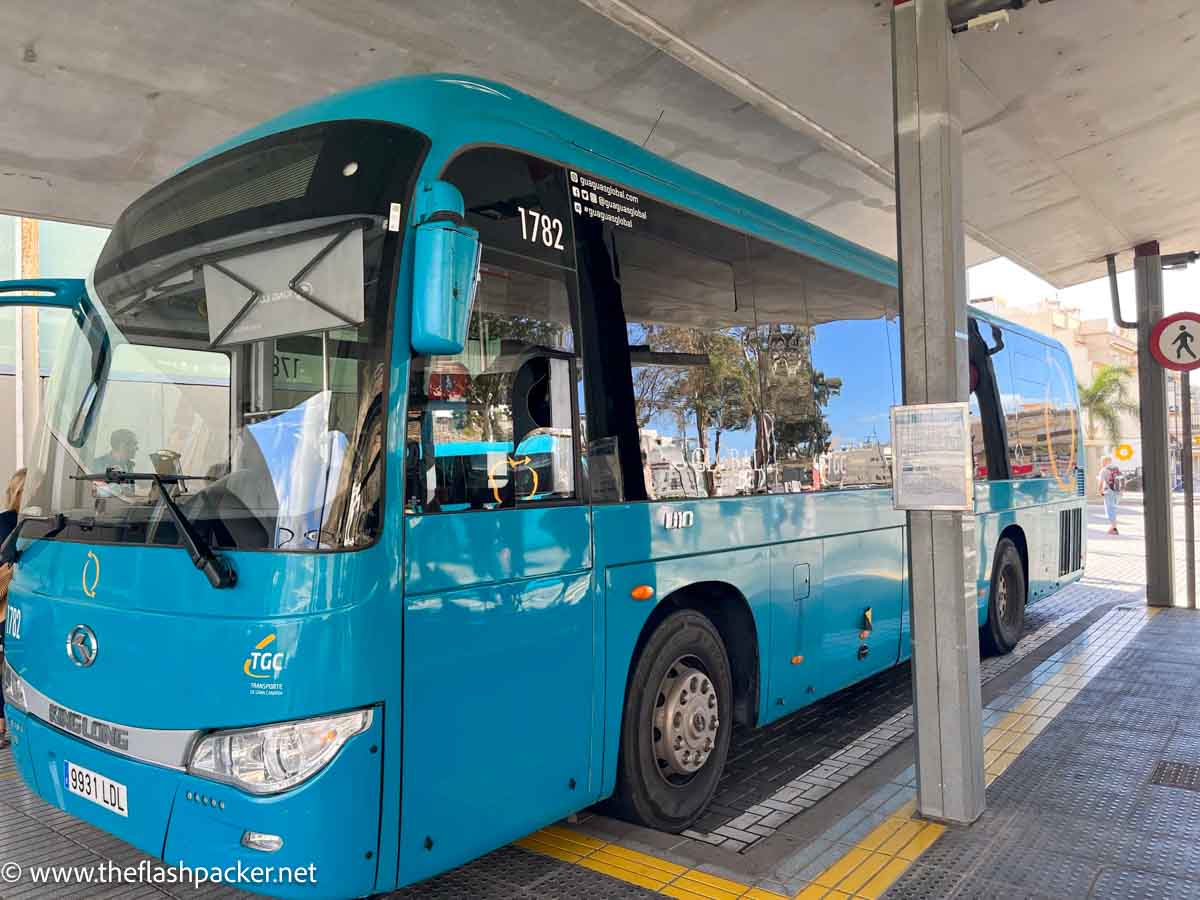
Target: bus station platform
[{"x": 1092, "y": 743}]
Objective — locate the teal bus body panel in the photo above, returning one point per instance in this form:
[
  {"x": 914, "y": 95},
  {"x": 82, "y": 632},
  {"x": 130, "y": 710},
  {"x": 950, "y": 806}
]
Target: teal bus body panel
[
  {"x": 1032, "y": 507},
  {"x": 184, "y": 668},
  {"x": 632, "y": 548},
  {"x": 172, "y": 655},
  {"x": 205, "y": 830},
  {"x": 500, "y": 676},
  {"x": 447, "y": 552}
]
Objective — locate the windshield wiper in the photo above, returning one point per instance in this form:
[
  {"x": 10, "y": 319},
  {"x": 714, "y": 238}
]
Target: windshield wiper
[
  {"x": 9, "y": 552},
  {"x": 217, "y": 569}
]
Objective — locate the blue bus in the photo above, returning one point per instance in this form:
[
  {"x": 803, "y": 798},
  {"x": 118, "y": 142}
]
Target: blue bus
[{"x": 525, "y": 466}]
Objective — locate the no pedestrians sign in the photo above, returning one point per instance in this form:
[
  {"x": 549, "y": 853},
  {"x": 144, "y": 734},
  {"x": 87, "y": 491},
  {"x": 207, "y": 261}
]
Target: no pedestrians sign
[{"x": 1175, "y": 341}]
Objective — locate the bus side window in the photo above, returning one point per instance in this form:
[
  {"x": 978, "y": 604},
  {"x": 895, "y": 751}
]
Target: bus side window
[
  {"x": 693, "y": 377},
  {"x": 1026, "y": 408},
  {"x": 679, "y": 411},
  {"x": 497, "y": 425},
  {"x": 828, "y": 373},
  {"x": 492, "y": 427}
]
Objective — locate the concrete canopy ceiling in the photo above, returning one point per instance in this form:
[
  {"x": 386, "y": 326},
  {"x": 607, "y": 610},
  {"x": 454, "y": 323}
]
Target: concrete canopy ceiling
[{"x": 1082, "y": 119}]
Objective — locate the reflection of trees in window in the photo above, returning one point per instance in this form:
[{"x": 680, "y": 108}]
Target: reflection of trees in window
[
  {"x": 794, "y": 425},
  {"x": 712, "y": 385}
]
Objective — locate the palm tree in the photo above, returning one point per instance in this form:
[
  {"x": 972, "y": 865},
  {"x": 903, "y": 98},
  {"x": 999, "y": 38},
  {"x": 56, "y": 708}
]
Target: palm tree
[{"x": 1105, "y": 399}]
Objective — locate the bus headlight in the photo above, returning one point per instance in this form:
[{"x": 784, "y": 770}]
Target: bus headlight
[
  {"x": 273, "y": 758},
  {"x": 14, "y": 689}
]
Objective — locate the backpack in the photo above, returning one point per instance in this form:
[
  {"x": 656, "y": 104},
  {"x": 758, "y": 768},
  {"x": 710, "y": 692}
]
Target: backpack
[{"x": 1111, "y": 479}]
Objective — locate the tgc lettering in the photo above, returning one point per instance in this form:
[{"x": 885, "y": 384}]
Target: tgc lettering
[{"x": 266, "y": 662}]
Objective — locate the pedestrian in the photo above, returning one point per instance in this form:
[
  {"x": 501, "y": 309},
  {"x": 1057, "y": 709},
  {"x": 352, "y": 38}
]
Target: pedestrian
[
  {"x": 1110, "y": 490},
  {"x": 8, "y": 523}
]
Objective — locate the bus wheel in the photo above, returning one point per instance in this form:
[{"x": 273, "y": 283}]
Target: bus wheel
[
  {"x": 1006, "y": 601},
  {"x": 676, "y": 723}
]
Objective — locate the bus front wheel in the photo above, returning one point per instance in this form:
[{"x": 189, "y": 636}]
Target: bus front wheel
[
  {"x": 1006, "y": 600},
  {"x": 676, "y": 723}
]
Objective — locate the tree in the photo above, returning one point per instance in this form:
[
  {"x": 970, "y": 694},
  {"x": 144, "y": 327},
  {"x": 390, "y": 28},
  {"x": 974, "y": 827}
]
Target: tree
[{"x": 1105, "y": 399}]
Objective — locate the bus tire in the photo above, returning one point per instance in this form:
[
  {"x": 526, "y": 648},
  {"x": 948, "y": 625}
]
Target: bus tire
[
  {"x": 1006, "y": 600},
  {"x": 679, "y": 703}
]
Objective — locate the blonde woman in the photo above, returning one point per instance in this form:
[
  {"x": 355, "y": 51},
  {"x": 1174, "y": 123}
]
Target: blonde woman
[{"x": 8, "y": 521}]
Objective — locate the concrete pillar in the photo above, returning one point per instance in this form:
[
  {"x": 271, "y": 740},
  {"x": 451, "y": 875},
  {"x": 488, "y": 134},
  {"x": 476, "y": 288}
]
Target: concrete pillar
[
  {"x": 933, "y": 308},
  {"x": 1152, "y": 409}
]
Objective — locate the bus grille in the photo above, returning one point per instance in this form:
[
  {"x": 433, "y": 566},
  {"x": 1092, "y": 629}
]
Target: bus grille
[{"x": 1070, "y": 541}]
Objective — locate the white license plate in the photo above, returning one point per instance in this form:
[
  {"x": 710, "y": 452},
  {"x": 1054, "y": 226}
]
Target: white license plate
[{"x": 95, "y": 787}]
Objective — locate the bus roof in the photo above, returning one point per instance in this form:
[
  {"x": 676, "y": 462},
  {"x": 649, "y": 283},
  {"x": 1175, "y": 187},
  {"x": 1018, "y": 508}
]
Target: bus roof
[
  {"x": 460, "y": 110},
  {"x": 1013, "y": 327}
]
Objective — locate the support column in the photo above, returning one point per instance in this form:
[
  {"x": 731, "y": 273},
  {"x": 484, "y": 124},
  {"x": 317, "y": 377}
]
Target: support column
[
  {"x": 933, "y": 306},
  {"x": 1152, "y": 408}
]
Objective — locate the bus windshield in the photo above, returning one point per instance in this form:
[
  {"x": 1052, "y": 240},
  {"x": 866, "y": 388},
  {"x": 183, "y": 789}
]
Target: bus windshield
[{"x": 235, "y": 343}]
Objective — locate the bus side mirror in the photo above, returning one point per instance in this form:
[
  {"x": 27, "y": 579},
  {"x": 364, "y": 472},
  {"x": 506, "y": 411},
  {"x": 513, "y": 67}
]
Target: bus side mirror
[{"x": 445, "y": 272}]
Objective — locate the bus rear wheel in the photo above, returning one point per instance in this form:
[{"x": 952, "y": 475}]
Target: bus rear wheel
[
  {"x": 676, "y": 724},
  {"x": 1006, "y": 600}
]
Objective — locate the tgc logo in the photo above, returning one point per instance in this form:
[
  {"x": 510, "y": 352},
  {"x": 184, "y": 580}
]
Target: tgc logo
[{"x": 262, "y": 663}]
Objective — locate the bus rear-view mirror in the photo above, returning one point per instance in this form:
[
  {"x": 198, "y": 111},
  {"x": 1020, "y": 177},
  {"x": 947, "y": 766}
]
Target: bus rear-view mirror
[{"x": 445, "y": 279}]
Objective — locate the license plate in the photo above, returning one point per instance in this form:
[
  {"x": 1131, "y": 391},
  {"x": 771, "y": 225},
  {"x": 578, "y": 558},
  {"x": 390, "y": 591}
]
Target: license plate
[{"x": 95, "y": 787}]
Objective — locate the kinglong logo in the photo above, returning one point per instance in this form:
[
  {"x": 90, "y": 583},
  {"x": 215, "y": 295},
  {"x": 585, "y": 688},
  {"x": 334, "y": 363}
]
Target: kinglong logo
[{"x": 93, "y": 730}]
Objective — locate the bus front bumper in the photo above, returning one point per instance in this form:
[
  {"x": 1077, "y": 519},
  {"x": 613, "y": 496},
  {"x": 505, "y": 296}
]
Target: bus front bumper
[{"x": 329, "y": 825}]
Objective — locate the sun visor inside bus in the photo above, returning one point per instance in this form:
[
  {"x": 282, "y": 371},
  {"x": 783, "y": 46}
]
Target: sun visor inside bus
[{"x": 308, "y": 285}]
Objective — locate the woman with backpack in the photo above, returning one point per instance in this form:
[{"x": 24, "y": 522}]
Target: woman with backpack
[{"x": 1110, "y": 490}]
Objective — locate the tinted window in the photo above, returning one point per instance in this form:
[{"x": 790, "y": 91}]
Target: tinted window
[
  {"x": 496, "y": 425},
  {"x": 673, "y": 331},
  {"x": 1040, "y": 411},
  {"x": 747, "y": 368},
  {"x": 694, "y": 376},
  {"x": 827, "y": 354}
]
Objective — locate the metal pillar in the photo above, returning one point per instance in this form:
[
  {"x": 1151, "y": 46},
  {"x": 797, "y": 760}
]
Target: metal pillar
[
  {"x": 1189, "y": 509},
  {"x": 1156, "y": 458},
  {"x": 933, "y": 305}
]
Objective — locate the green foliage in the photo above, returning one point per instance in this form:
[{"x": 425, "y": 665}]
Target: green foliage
[
  {"x": 1105, "y": 399},
  {"x": 737, "y": 387}
]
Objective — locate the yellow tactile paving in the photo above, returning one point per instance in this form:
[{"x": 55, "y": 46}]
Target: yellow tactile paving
[
  {"x": 883, "y": 880},
  {"x": 668, "y": 870},
  {"x": 635, "y": 867},
  {"x": 604, "y": 868},
  {"x": 901, "y": 837},
  {"x": 919, "y": 844},
  {"x": 711, "y": 885},
  {"x": 606, "y": 857},
  {"x": 843, "y": 867}
]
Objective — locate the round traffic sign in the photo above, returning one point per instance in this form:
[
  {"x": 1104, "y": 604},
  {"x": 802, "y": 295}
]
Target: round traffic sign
[
  {"x": 1124, "y": 452},
  {"x": 1175, "y": 341}
]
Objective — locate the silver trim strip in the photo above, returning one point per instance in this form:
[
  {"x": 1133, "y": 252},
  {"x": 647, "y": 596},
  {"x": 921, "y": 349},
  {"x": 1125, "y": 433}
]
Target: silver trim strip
[{"x": 158, "y": 746}]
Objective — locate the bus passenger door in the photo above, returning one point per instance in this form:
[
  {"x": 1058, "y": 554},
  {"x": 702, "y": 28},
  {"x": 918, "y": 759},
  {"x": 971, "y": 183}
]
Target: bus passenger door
[
  {"x": 858, "y": 627},
  {"x": 499, "y": 677}
]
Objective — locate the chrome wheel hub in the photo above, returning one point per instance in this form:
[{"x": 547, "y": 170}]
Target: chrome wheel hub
[{"x": 686, "y": 720}]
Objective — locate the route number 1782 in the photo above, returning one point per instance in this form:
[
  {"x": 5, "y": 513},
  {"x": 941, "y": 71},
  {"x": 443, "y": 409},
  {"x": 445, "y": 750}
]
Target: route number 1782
[{"x": 539, "y": 228}]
